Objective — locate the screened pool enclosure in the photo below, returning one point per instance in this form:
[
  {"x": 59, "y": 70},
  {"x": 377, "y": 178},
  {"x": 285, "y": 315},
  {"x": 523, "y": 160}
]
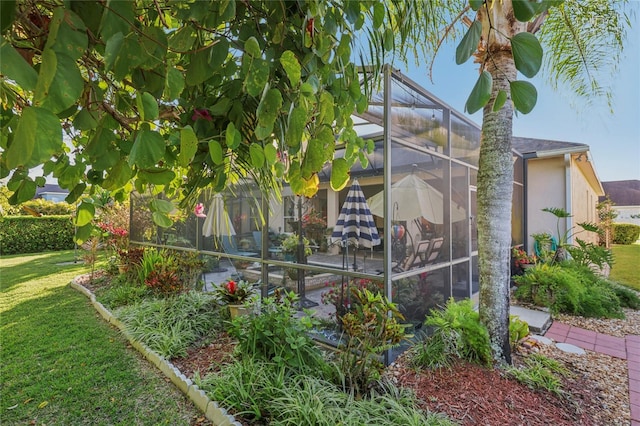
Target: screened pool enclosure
[{"x": 419, "y": 185}]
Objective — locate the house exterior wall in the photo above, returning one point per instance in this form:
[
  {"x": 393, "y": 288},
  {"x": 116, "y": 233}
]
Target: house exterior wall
[
  {"x": 584, "y": 199},
  {"x": 625, "y": 214},
  {"x": 546, "y": 188}
]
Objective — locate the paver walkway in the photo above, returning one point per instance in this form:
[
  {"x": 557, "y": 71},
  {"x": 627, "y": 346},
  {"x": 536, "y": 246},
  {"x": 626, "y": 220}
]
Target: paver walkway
[{"x": 624, "y": 348}]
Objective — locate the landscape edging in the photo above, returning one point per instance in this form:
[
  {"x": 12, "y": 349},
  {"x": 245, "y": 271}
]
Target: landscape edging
[{"x": 211, "y": 409}]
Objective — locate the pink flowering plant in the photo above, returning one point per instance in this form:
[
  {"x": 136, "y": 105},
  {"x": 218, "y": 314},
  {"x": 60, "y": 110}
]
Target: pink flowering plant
[
  {"x": 234, "y": 292},
  {"x": 521, "y": 257},
  {"x": 314, "y": 222},
  {"x": 117, "y": 238}
]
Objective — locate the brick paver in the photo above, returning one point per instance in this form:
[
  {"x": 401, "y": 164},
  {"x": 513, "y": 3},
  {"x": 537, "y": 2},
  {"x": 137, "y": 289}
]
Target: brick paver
[{"x": 624, "y": 348}]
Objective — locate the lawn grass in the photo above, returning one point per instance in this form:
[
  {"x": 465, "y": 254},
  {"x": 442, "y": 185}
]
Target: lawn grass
[
  {"x": 62, "y": 364},
  {"x": 625, "y": 268}
]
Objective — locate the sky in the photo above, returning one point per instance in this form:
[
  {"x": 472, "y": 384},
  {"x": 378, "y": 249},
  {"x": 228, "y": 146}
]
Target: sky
[{"x": 614, "y": 139}]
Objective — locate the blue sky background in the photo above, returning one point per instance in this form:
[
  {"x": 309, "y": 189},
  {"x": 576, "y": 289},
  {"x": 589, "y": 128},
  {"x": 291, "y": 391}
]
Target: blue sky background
[{"x": 614, "y": 139}]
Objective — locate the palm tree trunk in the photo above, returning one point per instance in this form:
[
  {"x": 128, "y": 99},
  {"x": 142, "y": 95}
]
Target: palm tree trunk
[{"x": 495, "y": 189}]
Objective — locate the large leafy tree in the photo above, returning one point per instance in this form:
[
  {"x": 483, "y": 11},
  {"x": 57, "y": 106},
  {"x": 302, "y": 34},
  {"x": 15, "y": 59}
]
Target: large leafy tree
[
  {"x": 578, "y": 42},
  {"x": 175, "y": 96}
]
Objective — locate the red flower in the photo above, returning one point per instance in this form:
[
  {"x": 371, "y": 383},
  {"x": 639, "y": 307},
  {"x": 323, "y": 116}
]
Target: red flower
[
  {"x": 199, "y": 113},
  {"x": 231, "y": 286}
]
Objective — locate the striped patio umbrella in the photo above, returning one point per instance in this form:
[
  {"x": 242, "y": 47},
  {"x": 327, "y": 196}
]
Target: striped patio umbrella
[{"x": 355, "y": 224}]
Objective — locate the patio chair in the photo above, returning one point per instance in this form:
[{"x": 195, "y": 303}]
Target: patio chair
[
  {"x": 229, "y": 247},
  {"x": 434, "y": 251},
  {"x": 415, "y": 259}
]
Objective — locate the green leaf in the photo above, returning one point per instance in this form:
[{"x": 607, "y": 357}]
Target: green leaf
[
  {"x": 198, "y": 70},
  {"x": 14, "y": 67},
  {"x": 183, "y": 39},
  {"x": 339, "y": 174},
  {"x": 83, "y": 233},
  {"x": 156, "y": 176},
  {"x": 149, "y": 107},
  {"x": 162, "y": 220},
  {"x": 25, "y": 191},
  {"x": 76, "y": 193},
  {"x": 291, "y": 66},
  {"x": 46, "y": 76},
  {"x": 297, "y": 123},
  {"x": 85, "y": 120},
  {"x": 84, "y": 214},
  {"x": 215, "y": 152},
  {"x": 252, "y": 47},
  {"x": 174, "y": 84},
  {"x": 498, "y": 103},
  {"x": 161, "y": 206},
  {"x": 469, "y": 43},
  {"x": 326, "y": 114},
  {"x": 388, "y": 39},
  {"x": 147, "y": 150},
  {"x": 270, "y": 154},
  {"x": 257, "y": 77},
  {"x": 313, "y": 159},
  {"x": 269, "y": 108},
  {"x": 188, "y": 146},
  {"x": 38, "y": 137},
  {"x": 524, "y": 96},
  {"x": 219, "y": 53},
  {"x": 527, "y": 53},
  {"x": 524, "y": 10},
  {"x": 7, "y": 13},
  {"x": 257, "y": 155},
  {"x": 221, "y": 107},
  {"x": 475, "y": 4},
  {"x": 67, "y": 34},
  {"x": 65, "y": 88},
  {"x": 118, "y": 176},
  {"x": 378, "y": 14},
  {"x": 480, "y": 94},
  {"x": 232, "y": 136}
]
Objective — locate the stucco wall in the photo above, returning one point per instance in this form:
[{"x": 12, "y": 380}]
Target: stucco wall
[
  {"x": 584, "y": 202},
  {"x": 546, "y": 188}
]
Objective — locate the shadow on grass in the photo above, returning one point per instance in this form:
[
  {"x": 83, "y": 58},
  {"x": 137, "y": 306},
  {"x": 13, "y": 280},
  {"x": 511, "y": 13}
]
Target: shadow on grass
[
  {"x": 19, "y": 269},
  {"x": 62, "y": 364}
]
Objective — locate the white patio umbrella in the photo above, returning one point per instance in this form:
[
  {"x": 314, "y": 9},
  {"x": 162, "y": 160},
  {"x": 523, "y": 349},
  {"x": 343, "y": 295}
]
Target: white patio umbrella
[
  {"x": 217, "y": 222},
  {"x": 412, "y": 197}
]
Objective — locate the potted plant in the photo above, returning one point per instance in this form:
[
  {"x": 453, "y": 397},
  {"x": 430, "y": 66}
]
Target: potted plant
[
  {"x": 290, "y": 247},
  {"x": 234, "y": 294},
  {"x": 521, "y": 259}
]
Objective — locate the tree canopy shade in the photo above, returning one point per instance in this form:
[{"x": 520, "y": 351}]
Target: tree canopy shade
[{"x": 175, "y": 96}]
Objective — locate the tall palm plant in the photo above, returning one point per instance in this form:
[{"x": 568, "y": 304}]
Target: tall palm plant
[{"x": 577, "y": 41}]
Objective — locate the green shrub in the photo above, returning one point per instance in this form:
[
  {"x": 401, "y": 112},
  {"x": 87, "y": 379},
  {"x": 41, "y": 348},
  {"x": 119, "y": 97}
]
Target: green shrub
[
  {"x": 29, "y": 234},
  {"x": 625, "y": 233},
  {"x": 457, "y": 332},
  {"x": 568, "y": 288},
  {"x": 371, "y": 328},
  {"x": 170, "y": 326},
  {"x": 276, "y": 335}
]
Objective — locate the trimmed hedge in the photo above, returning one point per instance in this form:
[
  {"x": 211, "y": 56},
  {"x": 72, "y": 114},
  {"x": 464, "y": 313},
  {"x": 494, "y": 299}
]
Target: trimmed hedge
[
  {"x": 29, "y": 234},
  {"x": 625, "y": 233}
]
